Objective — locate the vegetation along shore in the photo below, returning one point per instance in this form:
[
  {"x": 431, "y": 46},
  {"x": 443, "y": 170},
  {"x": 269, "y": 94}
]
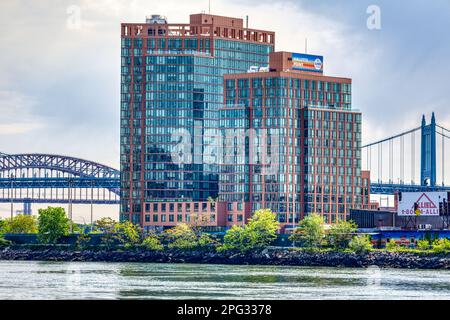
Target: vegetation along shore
[{"x": 110, "y": 241}]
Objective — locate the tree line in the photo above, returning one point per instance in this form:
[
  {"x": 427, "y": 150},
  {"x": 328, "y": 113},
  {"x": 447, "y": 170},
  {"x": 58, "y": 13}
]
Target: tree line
[{"x": 259, "y": 232}]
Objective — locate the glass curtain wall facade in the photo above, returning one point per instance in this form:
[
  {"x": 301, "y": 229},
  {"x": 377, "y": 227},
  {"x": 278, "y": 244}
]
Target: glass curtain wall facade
[
  {"x": 310, "y": 161},
  {"x": 171, "y": 91}
]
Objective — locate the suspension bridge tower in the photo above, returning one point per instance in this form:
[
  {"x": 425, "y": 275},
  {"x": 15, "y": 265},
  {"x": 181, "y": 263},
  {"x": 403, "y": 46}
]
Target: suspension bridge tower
[{"x": 428, "y": 153}]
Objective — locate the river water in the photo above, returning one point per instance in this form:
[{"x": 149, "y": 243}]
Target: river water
[{"x": 80, "y": 280}]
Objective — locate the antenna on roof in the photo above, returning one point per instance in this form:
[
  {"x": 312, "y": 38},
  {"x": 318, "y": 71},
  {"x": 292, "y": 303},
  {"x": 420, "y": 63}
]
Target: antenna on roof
[
  {"x": 246, "y": 22},
  {"x": 209, "y": 6},
  {"x": 306, "y": 45}
]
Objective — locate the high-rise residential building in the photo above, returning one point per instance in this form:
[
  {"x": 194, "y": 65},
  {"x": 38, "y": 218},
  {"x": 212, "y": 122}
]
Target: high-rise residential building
[
  {"x": 302, "y": 150},
  {"x": 171, "y": 91},
  {"x": 215, "y": 125}
]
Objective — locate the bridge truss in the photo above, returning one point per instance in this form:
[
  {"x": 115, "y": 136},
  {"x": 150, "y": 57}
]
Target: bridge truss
[{"x": 44, "y": 178}]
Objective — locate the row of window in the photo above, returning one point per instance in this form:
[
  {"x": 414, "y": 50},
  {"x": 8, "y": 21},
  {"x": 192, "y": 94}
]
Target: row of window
[{"x": 283, "y": 82}]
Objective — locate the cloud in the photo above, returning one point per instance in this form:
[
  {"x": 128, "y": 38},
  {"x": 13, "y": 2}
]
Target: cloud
[
  {"x": 59, "y": 89},
  {"x": 17, "y": 114}
]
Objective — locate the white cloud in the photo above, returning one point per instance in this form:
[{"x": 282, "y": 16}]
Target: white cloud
[
  {"x": 17, "y": 114},
  {"x": 71, "y": 77}
]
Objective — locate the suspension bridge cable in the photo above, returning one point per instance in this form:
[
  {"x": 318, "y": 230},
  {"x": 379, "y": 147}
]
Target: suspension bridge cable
[
  {"x": 443, "y": 158},
  {"x": 413, "y": 157},
  {"x": 391, "y": 161},
  {"x": 393, "y": 137},
  {"x": 441, "y": 127},
  {"x": 402, "y": 139},
  {"x": 441, "y": 134}
]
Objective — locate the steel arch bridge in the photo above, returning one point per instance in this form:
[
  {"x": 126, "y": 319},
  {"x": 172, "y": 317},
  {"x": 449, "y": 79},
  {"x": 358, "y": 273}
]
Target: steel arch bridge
[{"x": 46, "y": 178}]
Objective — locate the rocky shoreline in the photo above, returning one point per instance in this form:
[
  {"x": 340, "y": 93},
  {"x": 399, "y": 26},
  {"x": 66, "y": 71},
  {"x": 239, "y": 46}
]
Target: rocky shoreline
[{"x": 264, "y": 257}]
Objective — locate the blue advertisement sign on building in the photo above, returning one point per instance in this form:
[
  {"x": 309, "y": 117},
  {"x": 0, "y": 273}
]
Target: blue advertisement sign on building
[{"x": 307, "y": 62}]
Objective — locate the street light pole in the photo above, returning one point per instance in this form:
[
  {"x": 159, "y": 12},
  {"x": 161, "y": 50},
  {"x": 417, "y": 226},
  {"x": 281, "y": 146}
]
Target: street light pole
[
  {"x": 92, "y": 207},
  {"x": 12, "y": 196},
  {"x": 70, "y": 206}
]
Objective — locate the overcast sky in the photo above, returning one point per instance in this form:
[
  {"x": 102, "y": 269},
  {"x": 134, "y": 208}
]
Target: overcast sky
[{"x": 59, "y": 85}]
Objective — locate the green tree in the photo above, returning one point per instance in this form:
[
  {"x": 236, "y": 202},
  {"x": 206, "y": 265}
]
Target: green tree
[
  {"x": 152, "y": 243},
  {"x": 236, "y": 238},
  {"x": 52, "y": 224},
  {"x": 259, "y": 232},
  {"x": 341, "y": 233},
  {"x": 22, "y": 224},
  {"x": 181, "y": 237},
  {"x": 106, "y": 225},
  {"x": 262, "y": 228},
  {"x": 361, "y": 244},
  {"x": 127, "y": 233},
  {"x": 310, "y": 232}
]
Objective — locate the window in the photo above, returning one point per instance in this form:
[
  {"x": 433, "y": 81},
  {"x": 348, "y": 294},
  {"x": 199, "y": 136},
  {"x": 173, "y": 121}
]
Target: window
[
  {"x": 155, "y": 218},
  {"x": 147, "y": 218}
]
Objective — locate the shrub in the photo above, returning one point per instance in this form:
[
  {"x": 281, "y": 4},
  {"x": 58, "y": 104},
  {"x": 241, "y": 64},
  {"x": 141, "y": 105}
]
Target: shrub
[
  {"x": 392, "y": 245},
  {"x": 152, "y": 243},
  {"x": 341, "y": 233},
  {"x": 4, "y": 242},
  {"x": 311, "y": 231},
  {"x": 3, "y": 226},
  {"x": 206, "y": 240},
  {"x": 423, "y": 245},
  {"x": 360, "y": 244},
  {"x": 441, "y": 245},
  {"x": 83, "y": 239}
]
